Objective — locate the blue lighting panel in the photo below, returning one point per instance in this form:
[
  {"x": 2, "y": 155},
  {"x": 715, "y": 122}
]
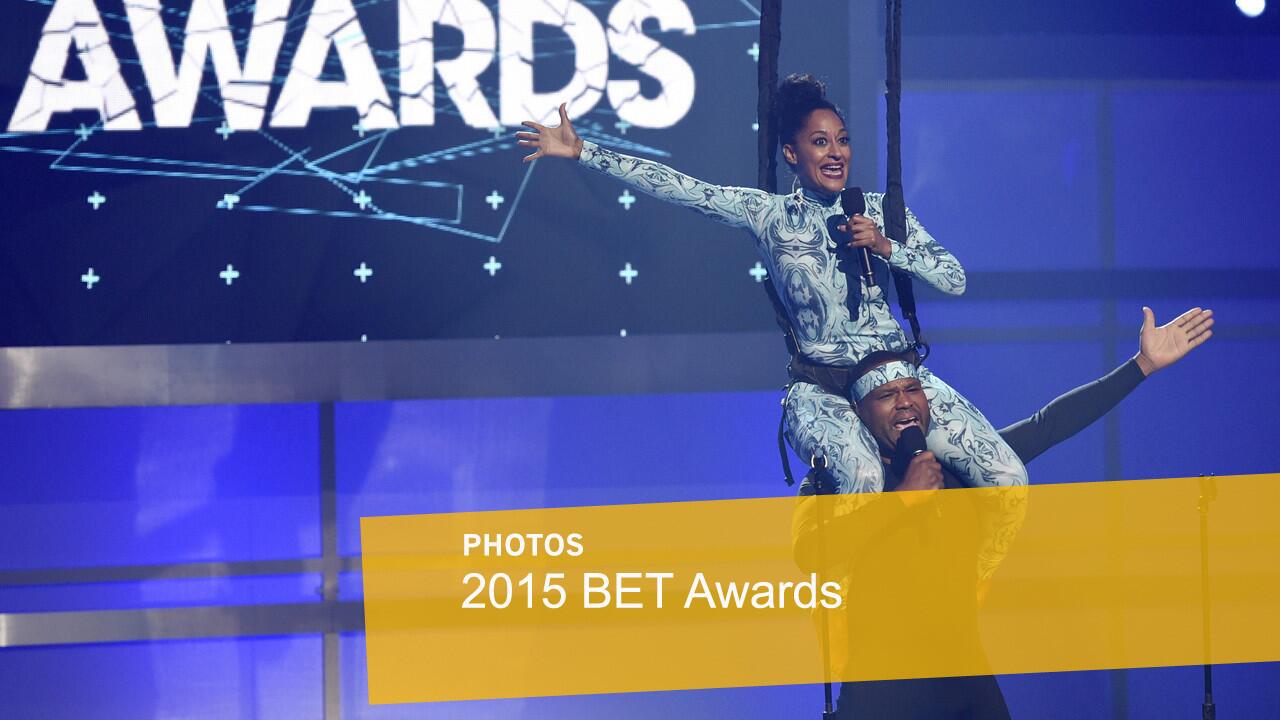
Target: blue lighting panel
[
  {"x": 1196, "y": 178},
  {"x": 1207, "y": 416},
  {"x": 263, "y": 678},
  {"x": 425, "y": 456},
  {"x": 762, "y": 703},
  {"x": 1022, "y": 314},
  {"x": 1041, "y": 695},
  {"x": 119, "y": 486},
  {"x": 350, "y": 586},
  {"x": 1250, "y": 690},
  {"x": 192, "y": 592},
  {"x": 1034, "y": 207}
]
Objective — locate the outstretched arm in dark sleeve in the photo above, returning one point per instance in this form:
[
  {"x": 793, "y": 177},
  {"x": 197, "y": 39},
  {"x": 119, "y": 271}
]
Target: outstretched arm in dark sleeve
[
  {"x": 1070, "y": 413},
  {"x": 1159, "y": 347}
]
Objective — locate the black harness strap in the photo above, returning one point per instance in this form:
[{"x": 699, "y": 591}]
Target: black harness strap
[
  {"x": 780, "y": 315},
  {"x": 895, "y": 208},
  {"x": 766, "y": 85}
]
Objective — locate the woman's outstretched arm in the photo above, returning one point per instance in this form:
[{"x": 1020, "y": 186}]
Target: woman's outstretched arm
[
  {"x": 735, "y": 206},
  {"x": 921, "y": 255}
]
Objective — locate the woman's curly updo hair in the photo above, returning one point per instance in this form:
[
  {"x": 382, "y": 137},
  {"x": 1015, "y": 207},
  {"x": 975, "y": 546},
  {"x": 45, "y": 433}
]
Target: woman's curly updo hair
[{"x": 797, "y": 97}]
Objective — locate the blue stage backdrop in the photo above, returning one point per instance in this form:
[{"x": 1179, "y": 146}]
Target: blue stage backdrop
[{"x": 235, "y": 205}]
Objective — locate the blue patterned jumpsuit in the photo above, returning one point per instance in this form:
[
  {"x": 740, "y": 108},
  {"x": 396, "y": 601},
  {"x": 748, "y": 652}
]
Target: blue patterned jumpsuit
[{"x": 791, "y": 237}]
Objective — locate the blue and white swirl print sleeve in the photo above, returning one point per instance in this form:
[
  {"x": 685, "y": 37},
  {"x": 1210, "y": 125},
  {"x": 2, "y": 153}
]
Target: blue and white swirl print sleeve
[
  {"x": 735, "y": 206},
  {"x": 920, "y": 254}
]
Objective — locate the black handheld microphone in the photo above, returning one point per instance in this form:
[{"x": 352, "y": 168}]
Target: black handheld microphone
[
  {"x": 855, "y": 204},
  {"x": 910, "y": 444}
]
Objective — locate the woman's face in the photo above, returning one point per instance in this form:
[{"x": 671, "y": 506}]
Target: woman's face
[{"x": 819, "y": 153}]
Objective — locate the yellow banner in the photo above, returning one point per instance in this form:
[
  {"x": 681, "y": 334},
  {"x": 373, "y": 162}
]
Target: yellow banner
[{"x": 735, "y": 593}]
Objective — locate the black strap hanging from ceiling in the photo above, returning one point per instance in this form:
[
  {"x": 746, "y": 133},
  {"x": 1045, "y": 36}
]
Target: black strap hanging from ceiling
[
  {"x": 767, "y": 84},
  {"x": 767, "y": 137},
  {"x": 895, "y": 207},
  {"x": 767, "y": 165}
]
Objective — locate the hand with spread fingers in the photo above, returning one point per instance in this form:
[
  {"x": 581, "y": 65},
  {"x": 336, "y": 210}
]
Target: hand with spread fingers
[
  {"x": 1160, "y": 347},
  {"x": 560, "y": 141}
]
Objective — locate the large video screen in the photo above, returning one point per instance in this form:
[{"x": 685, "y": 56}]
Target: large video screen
[{"x": 305, "y": 170}]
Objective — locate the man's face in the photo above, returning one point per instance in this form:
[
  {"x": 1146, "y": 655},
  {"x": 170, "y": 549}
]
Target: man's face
[{"x": 893, "y": 406}]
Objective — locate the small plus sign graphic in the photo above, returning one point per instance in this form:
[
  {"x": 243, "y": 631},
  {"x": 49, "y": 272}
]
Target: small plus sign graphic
[
  {"x": 363, "y": 272},
  {"x": 622, "y": 126},
  {"x": 230, "y": 274},
  {"x": 626, "y": 199},
  {"x": 628, "y": 273},
  {"x": 84, "y": 132},
  {"x": 493, "y": 266},
  {"x": 224, "y": 130},
  {"x": 89, "y": 279},
  {"x": 228, "y": 201},
  {"x": 495, "y": 199},
  {"x": 754, "y": 52},
  {"x": 359, "y": 127},
  {"x": 96, "y": 199},
  {"x": 758, "y": 272},
  {"x": 362, "y": 200}
]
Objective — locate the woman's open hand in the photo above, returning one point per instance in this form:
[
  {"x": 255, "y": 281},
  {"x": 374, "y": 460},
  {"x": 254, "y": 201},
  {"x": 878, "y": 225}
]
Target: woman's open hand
[{"x": 561, "y": 141}]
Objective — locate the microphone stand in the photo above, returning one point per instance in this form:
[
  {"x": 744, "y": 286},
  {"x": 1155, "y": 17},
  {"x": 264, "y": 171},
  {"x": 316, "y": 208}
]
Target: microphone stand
[
  {"x": 819, "y": 464},
  {"x": 1208, "y": 493}
]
